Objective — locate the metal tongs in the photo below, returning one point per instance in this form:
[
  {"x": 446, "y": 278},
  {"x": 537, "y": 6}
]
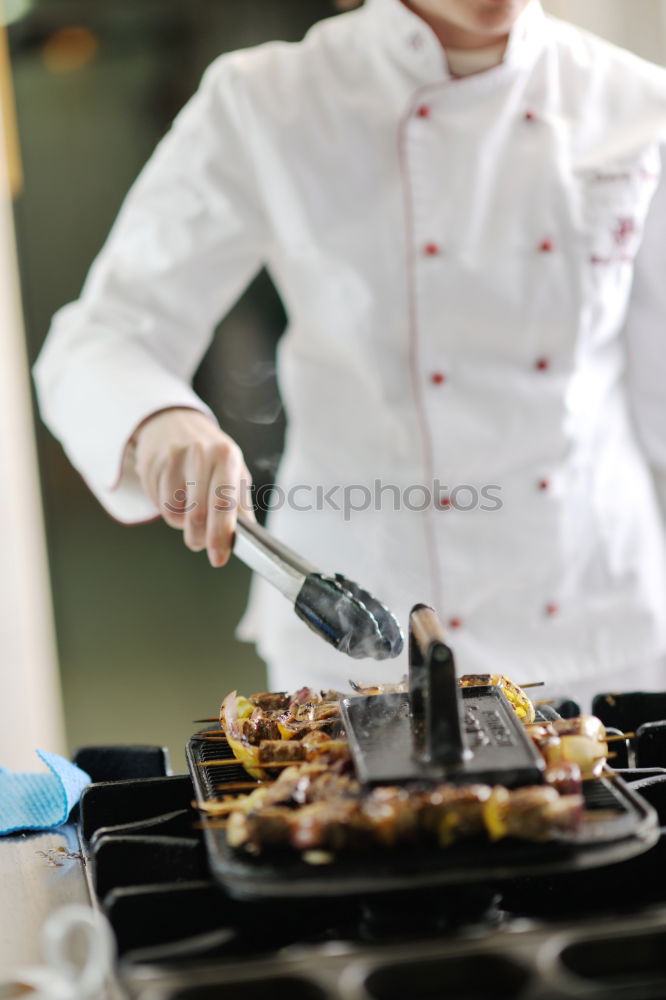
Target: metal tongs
[{"x": 336, "y": 608}]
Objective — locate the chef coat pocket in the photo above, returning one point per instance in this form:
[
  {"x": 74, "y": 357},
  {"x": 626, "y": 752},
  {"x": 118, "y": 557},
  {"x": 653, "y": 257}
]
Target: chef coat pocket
[{"x": 615, "y": 199}]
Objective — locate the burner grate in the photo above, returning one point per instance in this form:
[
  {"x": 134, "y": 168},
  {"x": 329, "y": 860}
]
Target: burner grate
[{"x": 184, "y": 938}]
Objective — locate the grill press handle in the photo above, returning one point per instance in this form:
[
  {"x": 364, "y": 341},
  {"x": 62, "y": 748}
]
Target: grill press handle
[
  {"x": 425, "y": 628},
  {"x": 435, "y": 702}
]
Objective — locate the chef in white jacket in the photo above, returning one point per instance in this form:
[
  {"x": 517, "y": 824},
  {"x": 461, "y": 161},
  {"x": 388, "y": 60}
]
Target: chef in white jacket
[{"x": 460, "y": 203}]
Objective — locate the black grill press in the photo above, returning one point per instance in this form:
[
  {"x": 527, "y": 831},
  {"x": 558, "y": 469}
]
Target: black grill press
[{"x": 599, "y": 933}]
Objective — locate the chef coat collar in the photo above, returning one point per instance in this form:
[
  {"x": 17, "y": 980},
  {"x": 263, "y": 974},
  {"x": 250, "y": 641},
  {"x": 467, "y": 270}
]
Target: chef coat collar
[{"x": 416, "y": 46}]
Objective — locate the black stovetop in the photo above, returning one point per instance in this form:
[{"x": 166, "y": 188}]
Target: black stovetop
[{"x": 598, "y": 933}]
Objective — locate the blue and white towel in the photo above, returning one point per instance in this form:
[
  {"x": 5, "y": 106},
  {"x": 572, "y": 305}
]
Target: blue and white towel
[{"x": 40, "y": 801}]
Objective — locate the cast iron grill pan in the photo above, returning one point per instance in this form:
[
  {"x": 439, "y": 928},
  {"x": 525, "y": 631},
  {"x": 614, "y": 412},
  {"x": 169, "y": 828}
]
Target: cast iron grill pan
[{"x": 283, "y": 874}]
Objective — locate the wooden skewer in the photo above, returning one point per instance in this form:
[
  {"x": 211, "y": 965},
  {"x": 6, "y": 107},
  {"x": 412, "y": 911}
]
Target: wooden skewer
[
  {"x": 221, "y": 763},
  {"x": 620, "y": 736},
  {"x": 283, "y": 763},
  {"x": 551, "y": 701},
  {"x": 210, "y": 806},
  {"x": 212, "y": 718},
  {"x": 221, "y": 808},
  {"x": 532, "y": 684},
  {"x": 239, "y": 786},
  {"x": 233, "y": 760},
  {"x": 214, "y": 824},
  {"x": 214, "y": 806},
  {"x": 210, "y": 732}
]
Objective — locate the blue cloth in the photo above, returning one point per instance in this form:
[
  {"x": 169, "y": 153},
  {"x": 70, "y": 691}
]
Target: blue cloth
[{"x": 40, "y": 801}]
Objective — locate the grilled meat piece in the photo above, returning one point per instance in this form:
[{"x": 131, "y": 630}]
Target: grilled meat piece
[
  {"x": 314, "y": 738},
  {"x": 279, "y": 751},
  {"x": 324, "y": 784},
  {"x": 315, "y": 711},
  {"x": 270, "y": 701},
  {"x": 565, "y": 777},
  {"x": 392, "y": 814},
  {"x": 270, "y": 827},
  {"x": 330, "y": 825},
  {"x": 261, "y": 727},
  {"x": 313, "y": 744},
  {"x": 291, "y": 728},
  {"x": 302, "y": 696},
  {"x": 452, "y": 813}
]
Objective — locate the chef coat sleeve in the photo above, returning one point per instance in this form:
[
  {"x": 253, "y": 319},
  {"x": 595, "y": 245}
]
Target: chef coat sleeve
[
  {"x": 189, "y": 238},
  {"x": 645, "y": 330}
]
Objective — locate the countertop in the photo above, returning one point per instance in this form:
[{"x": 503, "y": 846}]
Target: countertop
[{"x": 38, "y": 873}]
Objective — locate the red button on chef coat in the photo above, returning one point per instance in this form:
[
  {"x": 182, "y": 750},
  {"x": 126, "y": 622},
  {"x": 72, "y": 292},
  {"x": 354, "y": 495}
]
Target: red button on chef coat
[
  {"x": 454, "y": 623},
  {"x": 423, "y": 110},
  {"x": 431, "y": 249},
  {"x": 552, "y": 608},
  {"x": 438, "y": 378},
  {"x": 542, "y": 364},
  {"x": 546, "y": 246},
  {"x": 544, "y": 484},
  {"x": 529, "y": 116}
]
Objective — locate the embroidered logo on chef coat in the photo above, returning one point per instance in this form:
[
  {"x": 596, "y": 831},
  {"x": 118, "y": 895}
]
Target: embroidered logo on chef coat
[
  {"x": 624, "y": 231},
  {"x": 616, "y": 201},
  {"x": 621, "y": 242}
]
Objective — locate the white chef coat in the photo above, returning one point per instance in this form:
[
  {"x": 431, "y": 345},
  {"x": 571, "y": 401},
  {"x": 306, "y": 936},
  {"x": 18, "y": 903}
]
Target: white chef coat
[{"x": 473, "y": 274}]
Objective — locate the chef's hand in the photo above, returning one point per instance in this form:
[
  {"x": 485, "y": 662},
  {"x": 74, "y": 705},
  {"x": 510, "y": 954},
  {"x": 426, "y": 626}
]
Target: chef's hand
[{"x": 195, "y": 475}]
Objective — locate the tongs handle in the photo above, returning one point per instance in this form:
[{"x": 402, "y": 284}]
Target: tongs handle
[{"x": 272, "y": 559}]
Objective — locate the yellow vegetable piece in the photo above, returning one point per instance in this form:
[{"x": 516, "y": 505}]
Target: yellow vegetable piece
[
  {"x": 515, "y": 695},
  {"x": 244, "y": 708},
  {"x": 248, "y": 756},
  {"x": 446, "y": 830},
  {"x": 286, "y": 732},
  {"x": 494, "y": 813}
]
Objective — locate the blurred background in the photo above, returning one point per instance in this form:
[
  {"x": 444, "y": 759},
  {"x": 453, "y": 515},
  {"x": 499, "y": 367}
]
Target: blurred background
[{"x": 145, "y": 628}]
